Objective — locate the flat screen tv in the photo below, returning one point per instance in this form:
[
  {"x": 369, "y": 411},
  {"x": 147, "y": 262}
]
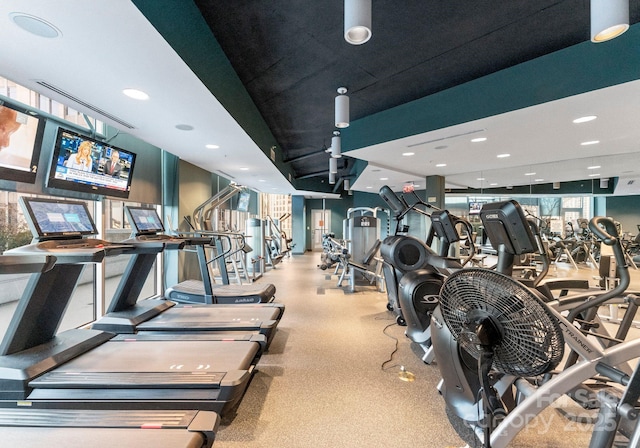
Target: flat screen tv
[
  {"x": 243, "y": 201},
  {"x": 475, "y": 207},
  {"x": 88, "y": 165},
  {"x": 20, "y": 141}
]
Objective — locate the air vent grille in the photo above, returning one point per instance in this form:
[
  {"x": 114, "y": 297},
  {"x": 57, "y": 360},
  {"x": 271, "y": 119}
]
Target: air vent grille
[
  {"x": 445, "y": 138},
  {"x": 85, "y": 104}
]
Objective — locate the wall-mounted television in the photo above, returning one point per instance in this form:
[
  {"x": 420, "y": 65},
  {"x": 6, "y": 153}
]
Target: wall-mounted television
[
  {"x": 20, "y": 142},
  {"x": 243, "y": 201},
  {"x": 475, "y": 207},
  {"x": 84, "y": 164}
]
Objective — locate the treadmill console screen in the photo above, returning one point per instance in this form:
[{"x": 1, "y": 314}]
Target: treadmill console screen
[
  {"x": 52, "y": 218},
  {"x": 144, "y": 220}
]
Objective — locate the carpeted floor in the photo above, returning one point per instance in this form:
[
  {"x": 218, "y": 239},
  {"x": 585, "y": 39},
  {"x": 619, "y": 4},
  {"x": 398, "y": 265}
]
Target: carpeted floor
[{"x": 323, "y": 384}]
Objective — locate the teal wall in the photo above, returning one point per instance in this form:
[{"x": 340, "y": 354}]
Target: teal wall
[
  {"x": 626, "y": 210},
  {"x": 299, "y": 222}
]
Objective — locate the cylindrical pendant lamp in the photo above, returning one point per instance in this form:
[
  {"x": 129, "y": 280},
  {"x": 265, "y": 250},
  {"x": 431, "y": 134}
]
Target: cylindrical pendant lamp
[
  {"x": 342, "y": 109},
  {"x": 357, "y": 21},
  {"x": 333, "y": 165},
  {"x": 332, "y": 177},
  {"x": 336, "y": 145},
  {"x": 609, "y": 19}
]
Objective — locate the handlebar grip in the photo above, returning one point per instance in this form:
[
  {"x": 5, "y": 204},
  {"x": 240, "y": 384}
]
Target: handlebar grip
[
  {"x": 608, "y": 235},
  {"x": 534, "y": 227}
]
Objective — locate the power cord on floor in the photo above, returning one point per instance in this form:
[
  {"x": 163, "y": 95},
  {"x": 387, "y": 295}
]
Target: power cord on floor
[{"x": 384, "y": 331}]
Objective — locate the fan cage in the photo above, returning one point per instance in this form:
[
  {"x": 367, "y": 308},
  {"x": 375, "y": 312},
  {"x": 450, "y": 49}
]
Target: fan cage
[{"x": 531, "y": 341}]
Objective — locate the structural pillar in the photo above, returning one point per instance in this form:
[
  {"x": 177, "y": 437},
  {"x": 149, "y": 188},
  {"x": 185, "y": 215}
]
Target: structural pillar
[{"x": 434, "y": 189}]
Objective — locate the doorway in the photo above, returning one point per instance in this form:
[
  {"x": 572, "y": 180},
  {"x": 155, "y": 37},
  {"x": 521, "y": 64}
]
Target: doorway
[{"x": 321, "y": 224}]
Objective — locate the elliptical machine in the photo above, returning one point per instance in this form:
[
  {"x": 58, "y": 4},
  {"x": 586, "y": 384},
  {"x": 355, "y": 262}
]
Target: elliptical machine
[{"x": 414, "y": 272}]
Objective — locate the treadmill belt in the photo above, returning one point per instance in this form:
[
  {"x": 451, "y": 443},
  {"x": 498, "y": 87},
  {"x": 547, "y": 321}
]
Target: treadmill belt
[
  {"x": 99, "y": 438},
  {"x": 102, "y": 418},
  {"x": 131, "y": 363},
  {"x": 40, "y": 428},
  {"x": 265, "y": 292},
  {"x": 129, "y": 380}
]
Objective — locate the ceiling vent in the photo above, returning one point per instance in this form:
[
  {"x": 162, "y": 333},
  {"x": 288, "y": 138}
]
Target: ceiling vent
[
  {"x": 85, "y": 104},
  {"x": 463, "y": 134}
]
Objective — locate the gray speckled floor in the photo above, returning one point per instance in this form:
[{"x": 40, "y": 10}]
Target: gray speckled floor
[{"x": 322, "y": 382}]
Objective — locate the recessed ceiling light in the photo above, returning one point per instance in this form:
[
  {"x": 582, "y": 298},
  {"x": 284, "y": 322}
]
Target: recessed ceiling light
[
  {"x": 416, "y": 186},
  {"x": 585, "y": 119},
  {"x": 184, "y": 127},
  {"x": 594, "y": 167},
  {"x": 384, "y": 178},
  {"x": 212, "y": 146},
  {"x": 592, "y": 142},
  {"x": 440, "y": 165},
  {"x": 538, "y": 180},
  {"x": 136, "y": 94},
  {"x": 369, "y": 188},
  {"x": 479, "y": 139},
  {"x": 408, "y": 154},
  {"x": 529, "y": 174},
  {"x": 261, "y": 180},
  {"x": 244, "y": 168},
  {"x": 35, "y": 25},
  {"x": 502, "y": 156},
  {"x": 480, "y": 178},
  {"x": 594, "y": 175},
  {"x": 493, "y": 184}
]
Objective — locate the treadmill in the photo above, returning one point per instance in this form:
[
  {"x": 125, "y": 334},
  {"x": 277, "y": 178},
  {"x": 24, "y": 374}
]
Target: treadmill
[
  {"x": 100, "y": 429},
  {"x": 90, "y": 369},
  {"x": 159, "y": 318},
  {"x": 205, "y": 291}
]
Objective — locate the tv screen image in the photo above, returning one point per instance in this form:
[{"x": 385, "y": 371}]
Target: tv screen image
[
  {"x": 85, "y": 164},
  {"x": 57, "y": 217},
  {"x": 243, "y": 201},
  {"x": 475, "y": 207},
  {"x": 144, "y": 220},
  {"x": 20, "y": 142}
]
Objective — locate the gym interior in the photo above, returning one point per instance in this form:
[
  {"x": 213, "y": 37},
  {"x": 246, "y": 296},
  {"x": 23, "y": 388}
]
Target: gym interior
[{"x": 349, "y": 223}]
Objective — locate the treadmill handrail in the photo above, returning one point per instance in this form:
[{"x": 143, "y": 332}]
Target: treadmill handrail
[{"x": 213, "y": 202}]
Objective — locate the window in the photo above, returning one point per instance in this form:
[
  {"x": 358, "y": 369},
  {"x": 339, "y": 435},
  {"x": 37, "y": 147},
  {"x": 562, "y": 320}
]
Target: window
[
  {"x": 116, "y": 229},
  {"x": 34, "y": 99}
]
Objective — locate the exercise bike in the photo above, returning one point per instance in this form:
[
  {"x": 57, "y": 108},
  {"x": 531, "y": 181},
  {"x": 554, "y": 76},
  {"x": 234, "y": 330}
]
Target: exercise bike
[{"x": 492, "y": 335}]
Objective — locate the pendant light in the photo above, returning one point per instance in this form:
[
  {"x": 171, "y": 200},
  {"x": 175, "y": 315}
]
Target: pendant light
[
  {"x": 609, "y": 19},
  {"x": 357, "y": 21},
  {"x": 336, "y": 145},
  {"x": 346, "y": 184},
  {"x": 332, "y": 177},
  {"x": 342, "y": 109},
  {"x": 333, "y": 165}
]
